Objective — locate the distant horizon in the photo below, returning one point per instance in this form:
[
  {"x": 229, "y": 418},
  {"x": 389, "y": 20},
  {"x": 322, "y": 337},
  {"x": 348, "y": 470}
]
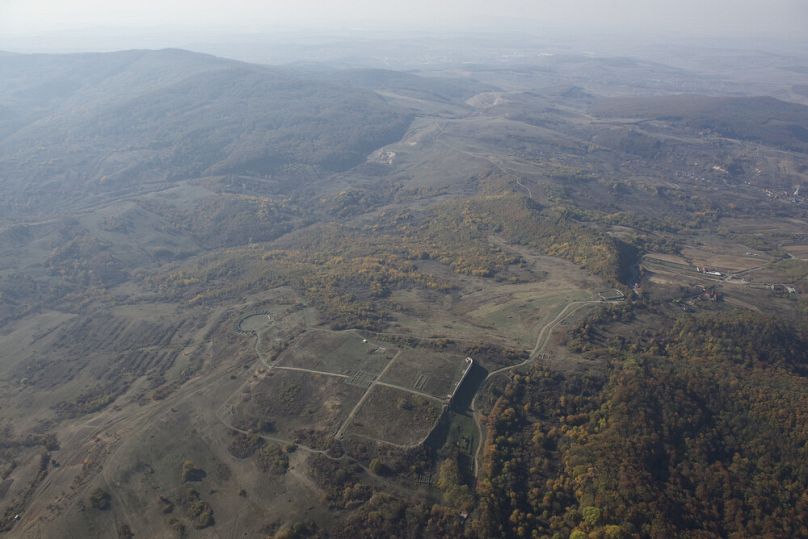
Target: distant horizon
[
  {"x": 105, "y": 38},
  {"x": 785, "y": 20}
]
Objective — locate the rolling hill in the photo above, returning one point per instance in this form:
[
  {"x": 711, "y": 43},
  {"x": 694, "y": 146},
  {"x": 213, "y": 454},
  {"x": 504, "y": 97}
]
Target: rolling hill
[
  {"x": 766, "y": 120},
  {"x": 113, "y": 121}
]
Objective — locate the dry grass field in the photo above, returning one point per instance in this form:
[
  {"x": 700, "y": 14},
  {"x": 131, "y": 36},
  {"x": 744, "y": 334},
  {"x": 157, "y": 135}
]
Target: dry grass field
[
  {"x": 293, "y": 404},
  {"x": 427, "y": 371},
  {"x": 344, "y": 353},
  {"x": 797, "y": 251},
  {"x": 396, "y": 417},
  {"x": 724, "y": 257}
]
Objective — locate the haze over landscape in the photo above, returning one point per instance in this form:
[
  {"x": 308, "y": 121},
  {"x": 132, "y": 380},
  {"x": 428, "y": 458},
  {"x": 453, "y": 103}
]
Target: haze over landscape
[
  {"x": 783, "y": 18},
  {"x": 404, "y": 269}
]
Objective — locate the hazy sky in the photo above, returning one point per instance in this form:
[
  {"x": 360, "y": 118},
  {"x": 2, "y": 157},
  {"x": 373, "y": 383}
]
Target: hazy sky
[{"x": 719, "y": 17}]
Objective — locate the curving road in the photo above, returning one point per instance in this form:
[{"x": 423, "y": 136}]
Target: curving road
[{"x": 541, "y": 343}]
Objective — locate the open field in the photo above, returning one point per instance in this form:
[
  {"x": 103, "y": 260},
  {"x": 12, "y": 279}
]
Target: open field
[
  {"x": 293, "y": 404},
  {"x": 766, "y": 226},
  {"x": 788, "y": 271},
  {"x": 726, "y": 258},
  {"x": 517, "y": 312},
  {"x": 427, "y": 371},
  {"x": 672, "y": 270},
  {"x": 344, "y": 353},
  {"x": 329, "y": 384},
  {"x": 501, "y": 312},
  {"x": 797, "y": 251},
  {"x": 394, "y": 416},
  {"x": 664, "y": 257}
]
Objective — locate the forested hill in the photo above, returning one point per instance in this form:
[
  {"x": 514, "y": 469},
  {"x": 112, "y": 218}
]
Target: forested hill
[
  {"x": 762, "y": 119},
  {"x": 700, "y": 431},
  {"x": 111, "y": 121}
]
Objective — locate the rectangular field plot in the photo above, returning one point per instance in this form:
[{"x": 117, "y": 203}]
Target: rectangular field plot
[
  {"x": 797, "y": 251},
  {"x": 289, "y": 403},
  {"x": 394, "y": 416},
  {"x": 727, "y": 258},
  {"x": 343, "y": 353},
  {"x": 428, "y": 371}
]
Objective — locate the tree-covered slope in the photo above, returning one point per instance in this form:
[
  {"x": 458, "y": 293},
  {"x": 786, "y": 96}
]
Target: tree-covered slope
[
  {"x": 702, "y": 432},
  {"x": 114, "y": 120}
]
